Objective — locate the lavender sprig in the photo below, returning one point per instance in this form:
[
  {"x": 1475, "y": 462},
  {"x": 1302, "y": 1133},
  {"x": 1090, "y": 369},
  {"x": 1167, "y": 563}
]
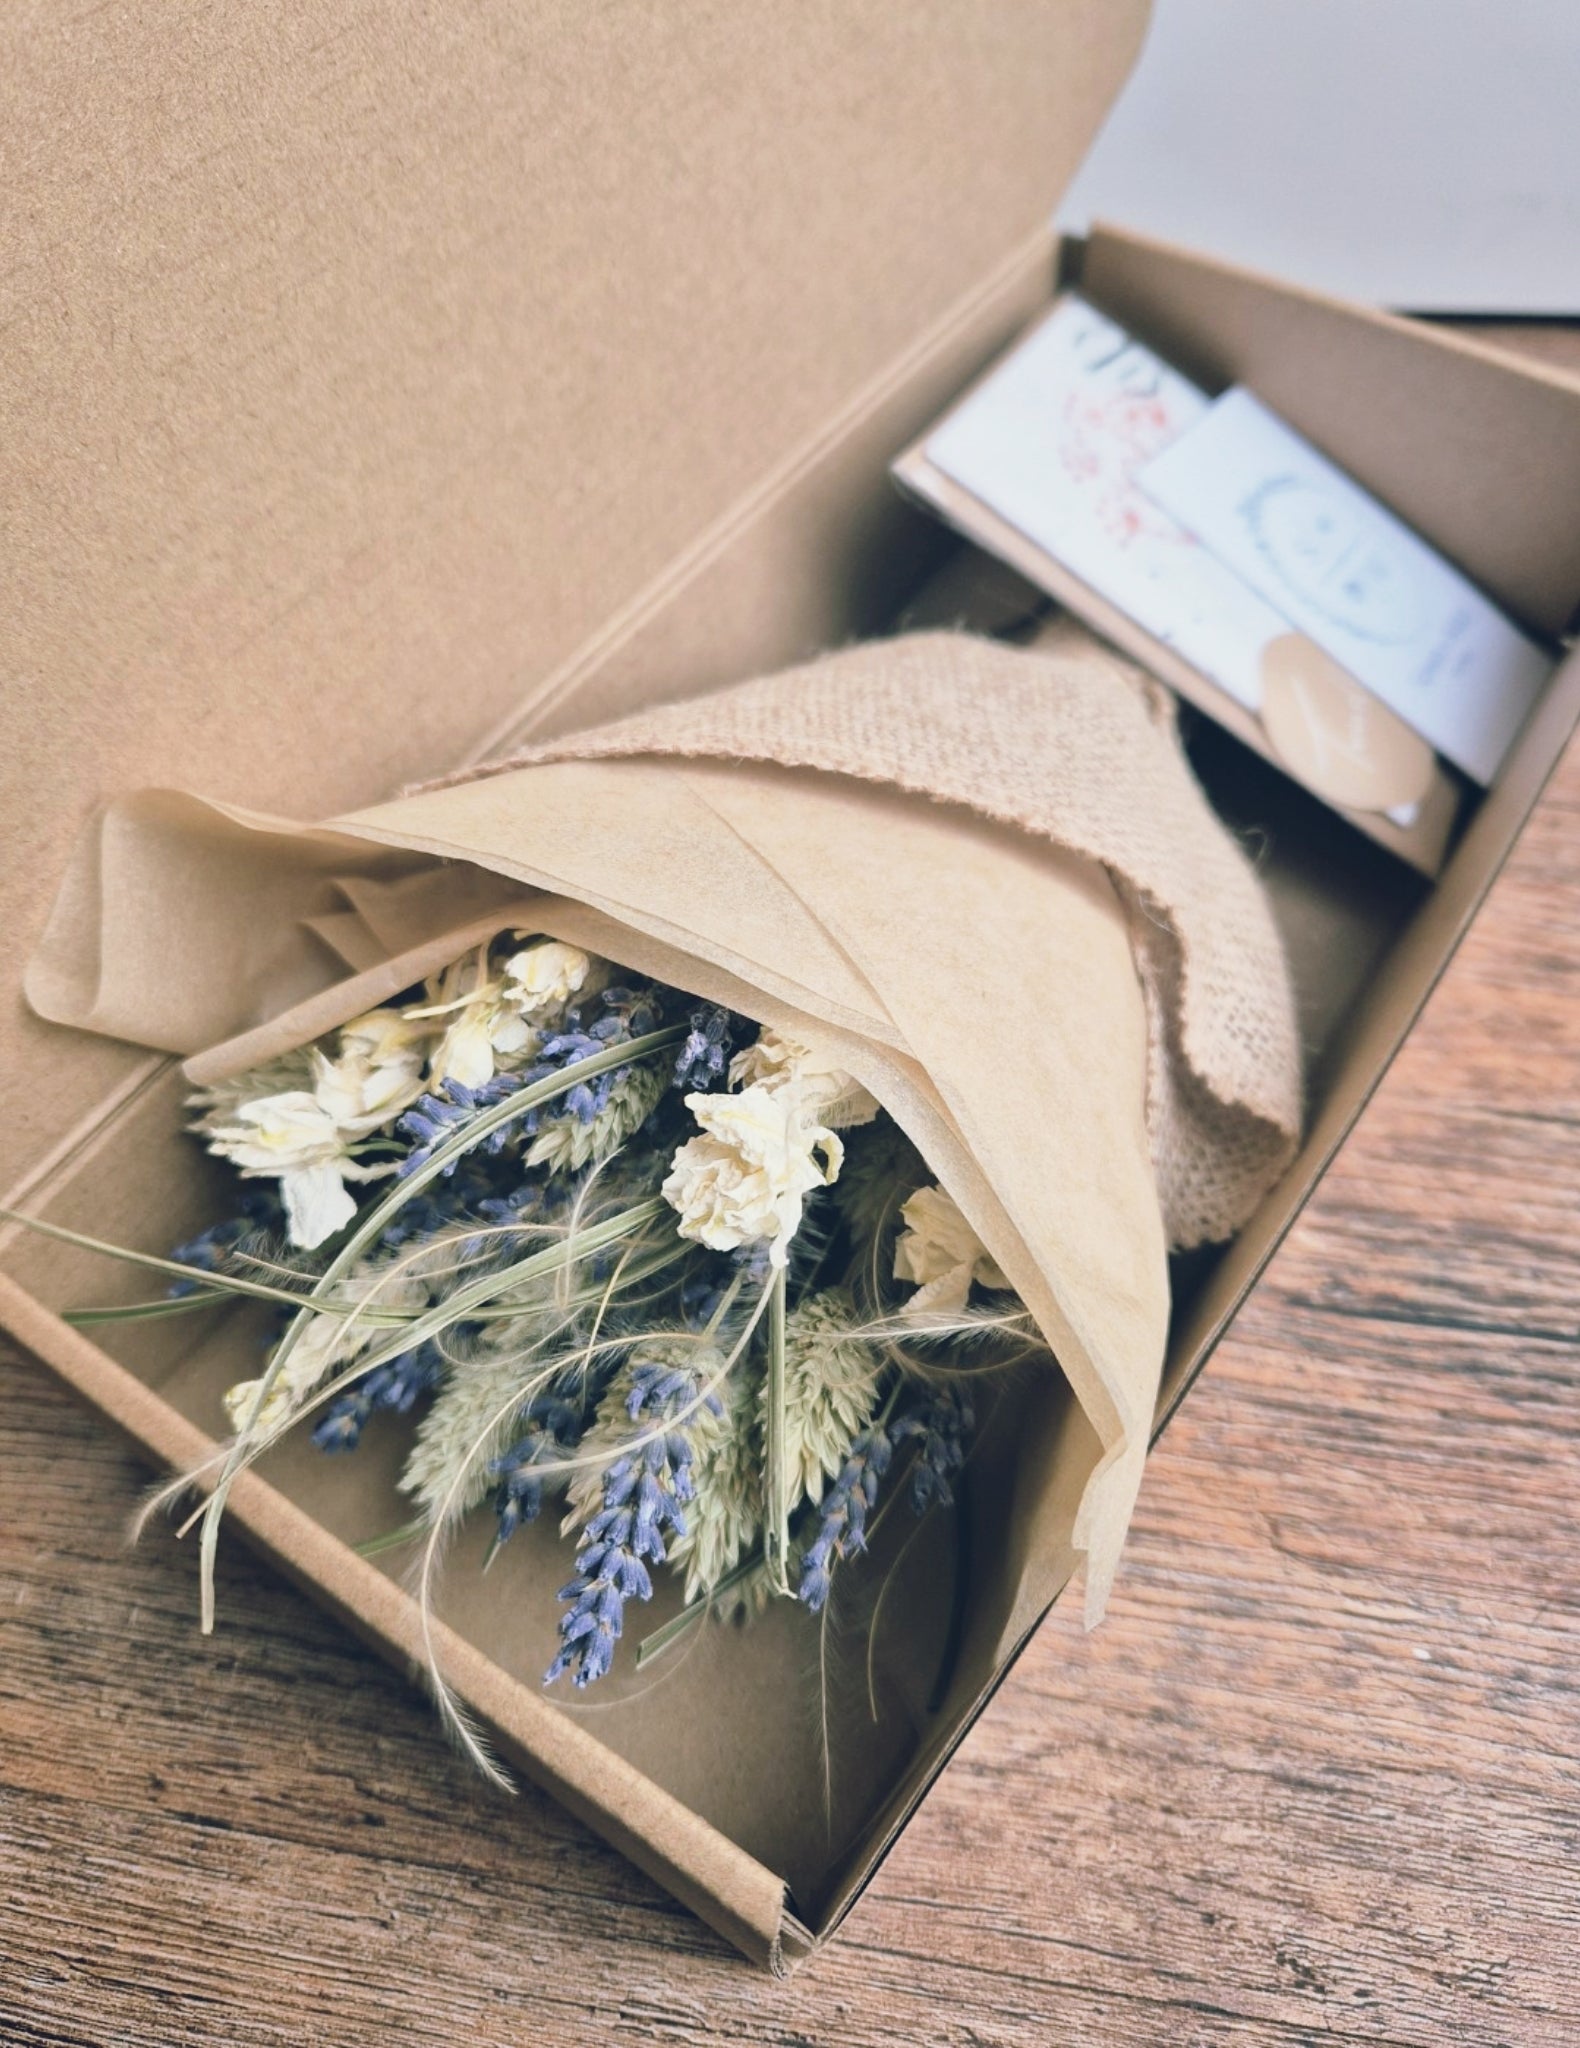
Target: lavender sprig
[
  {"x": 553, "y": 1426},
  {"x": 940, "y": 1420},
  {"x": 531, "y": 1203},
  {"x": 262, "y": 1214},
  {"x": 434, "y": 1118},
  {"x": 702, "y": 1060},
  {"x": 457, "y": 1197},
  {"x": 842, "y": 1521},
  {"x": 643, "y": 1495},
  {"x": 941, "y": 1425},
  {"x": 713, "y": 1275},
  {"x": 627, "y": 1013},
  {"x": 396, "y": 1386}
]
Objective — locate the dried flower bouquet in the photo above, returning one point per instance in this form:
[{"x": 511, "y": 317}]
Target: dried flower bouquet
[
  {"x": 614, "y": 1247},
  {"x": 555, "y": 1092}
]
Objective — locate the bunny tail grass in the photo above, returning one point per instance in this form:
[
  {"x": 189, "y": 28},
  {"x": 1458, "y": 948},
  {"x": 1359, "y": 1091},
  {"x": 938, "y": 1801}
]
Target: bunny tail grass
[
  {"x": 442, "y": 1519},
  {"x": 458, "y": 1720},
  {"x": 169, "y": 1491}
]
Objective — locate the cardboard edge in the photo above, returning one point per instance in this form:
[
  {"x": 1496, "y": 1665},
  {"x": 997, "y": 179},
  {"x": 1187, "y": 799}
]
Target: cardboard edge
[
  {"x": 147, "y": 1074},
  {"x": 1438, "y": 929},
  {"x": 1487, "y": 844},
  {"x": 897, "y": 1816},
  {"x": 1444, "y": 329},
  {"x": 1469, "y": 383}
]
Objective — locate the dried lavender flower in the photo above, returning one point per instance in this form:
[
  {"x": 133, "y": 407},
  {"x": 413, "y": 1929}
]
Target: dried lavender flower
[
  {"x": 626, "y": 1509},
  {"x": 214, "y": 1250},
  {"x": 329, "y": 1342},
  {"x": 702, "y": 1060},
  {"x": 941, "y": 1423},
  {"x": 434, "y": 1118},
  {"x": 553, "y": 1429},
  {"x": 566, "y": 1144},
  {"x": 940, "y": 1418},
  {"x": 842, "y": 1524},
  {"x": 396, "y": 1385}
]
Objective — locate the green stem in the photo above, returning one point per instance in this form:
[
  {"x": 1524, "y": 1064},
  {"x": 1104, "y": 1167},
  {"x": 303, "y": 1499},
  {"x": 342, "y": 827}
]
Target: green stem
[
  {"x": 776, "y": 1492},
  {"x": 466, "y": 1304},
  {"x": 257, "y": 1290},
  {"x": 392, "y": 1539},
  {"x": 219, "y": 1286},
  {"x": 143, "y": 1311}
]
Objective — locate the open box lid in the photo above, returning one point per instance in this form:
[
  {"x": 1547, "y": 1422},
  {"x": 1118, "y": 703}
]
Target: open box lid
[{"x": 359, "y": 369}]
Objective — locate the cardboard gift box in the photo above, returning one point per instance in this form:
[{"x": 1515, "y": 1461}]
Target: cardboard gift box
[{"x": 383, "y": 392}]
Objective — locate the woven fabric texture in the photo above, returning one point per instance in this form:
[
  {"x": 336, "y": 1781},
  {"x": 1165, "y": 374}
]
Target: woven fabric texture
[{"x": 1069, "y": 742}]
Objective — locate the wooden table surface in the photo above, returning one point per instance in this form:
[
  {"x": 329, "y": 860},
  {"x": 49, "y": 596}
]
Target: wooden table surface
[{"x": 1315, "y": 1780}]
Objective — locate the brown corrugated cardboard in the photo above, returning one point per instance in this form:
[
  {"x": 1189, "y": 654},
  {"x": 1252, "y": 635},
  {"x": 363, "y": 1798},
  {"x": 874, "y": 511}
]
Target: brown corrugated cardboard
[
  {"x": 362, "y": 368},
  {"x": 336, "y": 463}
]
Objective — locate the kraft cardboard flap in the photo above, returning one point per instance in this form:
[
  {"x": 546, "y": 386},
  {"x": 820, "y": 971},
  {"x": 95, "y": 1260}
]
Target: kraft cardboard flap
[
  {"x": 1475, "y": 450},
  {"x": 359, "y": 369}
]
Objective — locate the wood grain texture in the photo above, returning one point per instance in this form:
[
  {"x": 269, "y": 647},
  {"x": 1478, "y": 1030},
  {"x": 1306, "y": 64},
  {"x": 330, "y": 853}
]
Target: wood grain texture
[{"x": 1316, "y": 1779}]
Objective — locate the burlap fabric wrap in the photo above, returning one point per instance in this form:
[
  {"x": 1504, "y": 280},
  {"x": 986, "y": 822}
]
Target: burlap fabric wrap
[
  {"x": 1046, "y": 741},
  {"x": 983, "y": 876}
]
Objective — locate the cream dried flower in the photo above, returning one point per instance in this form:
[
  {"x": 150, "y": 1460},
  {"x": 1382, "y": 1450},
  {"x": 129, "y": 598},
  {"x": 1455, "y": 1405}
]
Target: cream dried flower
[
  {"x": 321, "y": 1346},
  {"x": 298, "y": 1119},
  {"x": 376, "y": 1074},
  {"x": 745, "y": 1178},
  {"x": 940, "y": 1251},
  {"x": 385, "y": 1037},
  {"x": 293, "y": 1138},
  {"x": 478, "y": 1039},
  {"x": 546, "y": 974},
  {"x": 827, "y": 1092},
  {"x": 498, "y": 1020}
]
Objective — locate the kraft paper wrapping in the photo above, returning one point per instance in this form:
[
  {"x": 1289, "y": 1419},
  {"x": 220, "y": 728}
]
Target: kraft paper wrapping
[{"x": 984, "y": 877}]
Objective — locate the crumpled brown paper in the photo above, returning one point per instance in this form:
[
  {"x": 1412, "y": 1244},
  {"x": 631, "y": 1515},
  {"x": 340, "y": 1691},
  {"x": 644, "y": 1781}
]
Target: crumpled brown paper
[{"x": 985, "y": 878}]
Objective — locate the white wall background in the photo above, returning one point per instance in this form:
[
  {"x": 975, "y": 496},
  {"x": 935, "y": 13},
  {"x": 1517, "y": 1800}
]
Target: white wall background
[{"x": 1422, "y": 154}]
